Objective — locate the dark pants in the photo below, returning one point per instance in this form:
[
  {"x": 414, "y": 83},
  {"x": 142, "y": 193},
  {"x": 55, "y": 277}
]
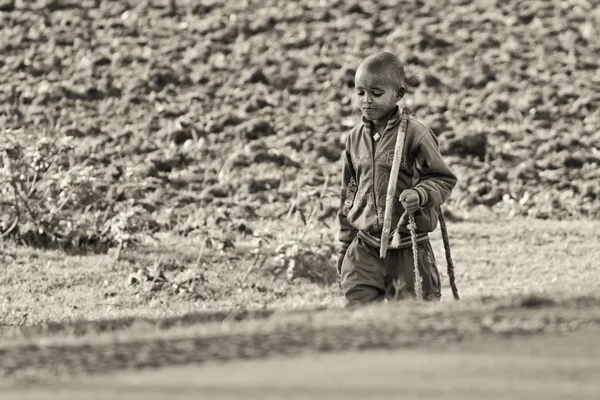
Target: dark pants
[{"x": 367, "y": 278}]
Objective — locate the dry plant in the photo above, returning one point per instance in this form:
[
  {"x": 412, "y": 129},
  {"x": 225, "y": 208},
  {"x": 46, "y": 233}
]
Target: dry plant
[
  {"x": 307, "y": 252},
  {"x": 48, "y": 200}
]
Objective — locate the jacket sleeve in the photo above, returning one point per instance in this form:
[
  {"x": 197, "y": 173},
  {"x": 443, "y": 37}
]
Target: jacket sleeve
[
  {"x": 436, "y": 179},
  {"x": 347, "y": 195}
]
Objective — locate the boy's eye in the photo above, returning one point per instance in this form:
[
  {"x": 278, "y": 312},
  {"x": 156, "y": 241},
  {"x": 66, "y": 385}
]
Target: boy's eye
[
  {"x": 360, "y": 92},
  {"x": 377, "y": 94}
]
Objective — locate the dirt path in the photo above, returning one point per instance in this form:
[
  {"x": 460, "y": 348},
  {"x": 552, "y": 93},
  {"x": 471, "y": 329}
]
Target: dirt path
[{"x": 555, "y": 366}]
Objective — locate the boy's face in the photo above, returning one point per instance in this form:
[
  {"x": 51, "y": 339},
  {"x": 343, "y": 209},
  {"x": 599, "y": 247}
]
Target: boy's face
[{"x": 377, "y": 95}]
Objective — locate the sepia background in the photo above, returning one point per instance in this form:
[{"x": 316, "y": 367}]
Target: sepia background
[{"x": 159, "y": 158}]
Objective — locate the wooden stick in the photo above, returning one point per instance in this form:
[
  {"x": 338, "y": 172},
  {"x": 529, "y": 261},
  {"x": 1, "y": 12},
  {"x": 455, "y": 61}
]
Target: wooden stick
[
  {"x": 450, "y": 264},
  {"x": 391, "y": 190}
]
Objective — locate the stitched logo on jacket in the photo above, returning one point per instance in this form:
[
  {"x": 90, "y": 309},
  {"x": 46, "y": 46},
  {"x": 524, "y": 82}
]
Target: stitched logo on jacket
[
  {"x": 387, "y": 157},
  {"x": 350, "y": 194}
]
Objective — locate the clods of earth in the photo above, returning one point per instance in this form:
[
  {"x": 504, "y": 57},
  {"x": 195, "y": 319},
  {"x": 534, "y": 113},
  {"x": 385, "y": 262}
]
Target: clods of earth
[{"x": 222, "y": 115}]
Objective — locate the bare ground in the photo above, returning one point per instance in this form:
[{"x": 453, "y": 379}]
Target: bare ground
[
  {"x": 60, "y": 358},
  {"x": 554, "y": 366}
]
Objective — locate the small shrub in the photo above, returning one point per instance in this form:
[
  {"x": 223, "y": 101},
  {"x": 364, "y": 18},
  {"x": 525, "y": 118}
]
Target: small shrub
[{"x": 46, "y": 200}]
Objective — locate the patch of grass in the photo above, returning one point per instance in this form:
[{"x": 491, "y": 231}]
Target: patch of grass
[
  {"x": 493, "y": 259},
  {"x": 515, "y": 277},
  {"x": 41, "y": 286},
  {"x": 521, "y": 256}
]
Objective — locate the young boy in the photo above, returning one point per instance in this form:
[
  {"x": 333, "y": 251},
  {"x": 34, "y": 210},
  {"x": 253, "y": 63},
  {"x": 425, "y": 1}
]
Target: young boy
[{"x": 424, "y": 182}]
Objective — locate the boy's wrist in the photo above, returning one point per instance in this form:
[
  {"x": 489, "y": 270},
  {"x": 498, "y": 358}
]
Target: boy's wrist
[{"x": 423, "y": 197}]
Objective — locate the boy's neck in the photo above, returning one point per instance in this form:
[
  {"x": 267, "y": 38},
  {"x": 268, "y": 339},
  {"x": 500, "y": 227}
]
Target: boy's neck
[{"x": 382, "y": 122}]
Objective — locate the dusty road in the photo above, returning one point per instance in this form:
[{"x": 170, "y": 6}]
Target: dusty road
[{"x": 555, "y": 366}]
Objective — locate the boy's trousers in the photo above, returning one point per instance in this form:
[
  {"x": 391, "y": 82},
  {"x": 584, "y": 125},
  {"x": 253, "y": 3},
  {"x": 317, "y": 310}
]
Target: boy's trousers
[{"x": 365, "y": 277}]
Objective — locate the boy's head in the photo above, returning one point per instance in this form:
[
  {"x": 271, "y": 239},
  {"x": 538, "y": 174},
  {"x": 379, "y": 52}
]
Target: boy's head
[{"x": 379, "y": 84}]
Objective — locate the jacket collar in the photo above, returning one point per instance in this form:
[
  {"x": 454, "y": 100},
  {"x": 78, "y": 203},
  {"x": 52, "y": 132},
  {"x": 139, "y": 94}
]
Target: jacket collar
[{"x": 392, "y": 123}]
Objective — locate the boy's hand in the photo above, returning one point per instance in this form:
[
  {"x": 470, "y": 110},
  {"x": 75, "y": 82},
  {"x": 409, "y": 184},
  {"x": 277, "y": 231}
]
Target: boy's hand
[{"x": 410, "y": 200}]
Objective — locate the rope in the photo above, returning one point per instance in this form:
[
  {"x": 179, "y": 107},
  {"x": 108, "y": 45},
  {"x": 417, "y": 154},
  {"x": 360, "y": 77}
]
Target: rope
[{"x": 412, "y": 227}]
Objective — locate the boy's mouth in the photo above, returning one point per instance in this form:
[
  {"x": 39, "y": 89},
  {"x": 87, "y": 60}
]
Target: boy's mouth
[{"x": 369, "y": 111}]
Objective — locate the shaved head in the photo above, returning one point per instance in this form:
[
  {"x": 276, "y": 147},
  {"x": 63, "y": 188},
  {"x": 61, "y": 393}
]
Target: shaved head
[{"x": 386, "y": 66}]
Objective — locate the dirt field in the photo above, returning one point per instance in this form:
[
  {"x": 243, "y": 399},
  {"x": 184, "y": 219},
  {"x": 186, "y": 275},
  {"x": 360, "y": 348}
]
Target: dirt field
[{"x": 213, "y": 118}]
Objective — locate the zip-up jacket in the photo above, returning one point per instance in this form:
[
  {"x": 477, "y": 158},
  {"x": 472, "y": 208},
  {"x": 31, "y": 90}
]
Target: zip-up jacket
[{"x": 366, "y": 171}]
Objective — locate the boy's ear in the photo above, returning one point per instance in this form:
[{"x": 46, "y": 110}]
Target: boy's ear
[{"x": 400, "y": 92}]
